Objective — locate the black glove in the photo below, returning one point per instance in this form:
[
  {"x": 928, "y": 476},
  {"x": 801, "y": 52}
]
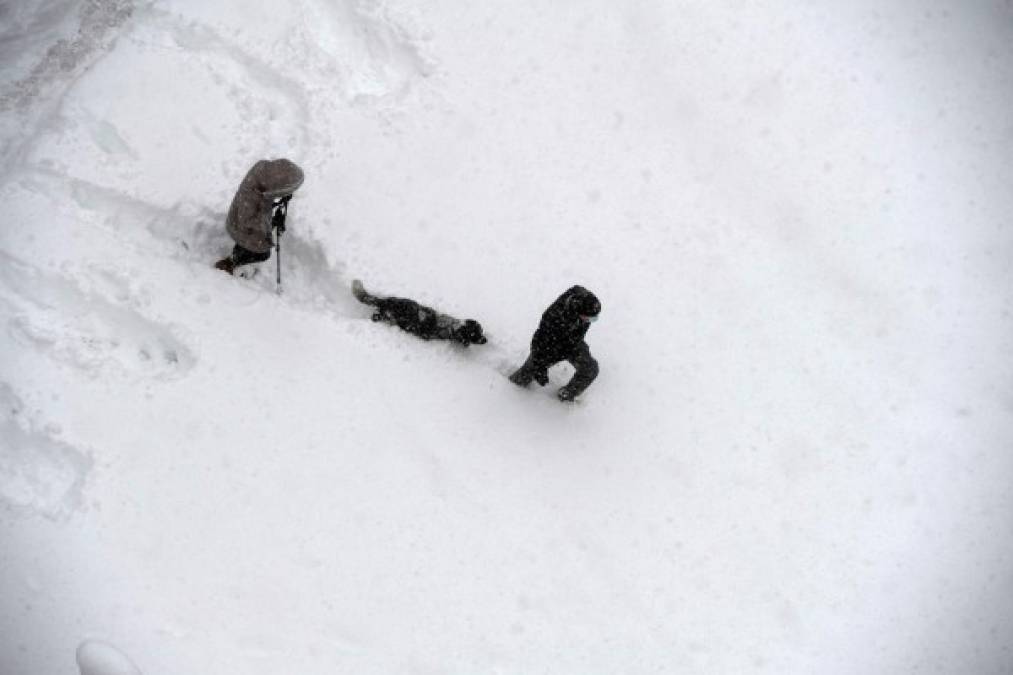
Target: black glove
[
  {"x": 280, "y": 211},
  {"x": 278, "y": 219}
]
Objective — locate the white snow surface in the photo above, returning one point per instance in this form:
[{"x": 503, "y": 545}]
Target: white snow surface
[
  {"x": 798, "y": 457},
  {"x": 95, "y": 657}
]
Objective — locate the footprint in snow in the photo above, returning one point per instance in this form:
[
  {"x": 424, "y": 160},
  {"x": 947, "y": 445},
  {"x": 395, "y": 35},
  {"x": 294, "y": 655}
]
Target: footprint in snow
[
  {"x": 53, "y": 315},
  {"x": 39, "y": 474}
]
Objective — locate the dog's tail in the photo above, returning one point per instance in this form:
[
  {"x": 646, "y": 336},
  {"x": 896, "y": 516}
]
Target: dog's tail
[{"x": 360, "y": 293}]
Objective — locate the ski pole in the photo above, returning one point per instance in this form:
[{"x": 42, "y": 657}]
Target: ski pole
[
  {"x": 278, "y": 221},
  {"x": 277, "y": 255}
]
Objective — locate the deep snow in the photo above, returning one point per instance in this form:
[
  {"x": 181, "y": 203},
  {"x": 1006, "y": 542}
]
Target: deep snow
[{"x": 797, "y": 457}]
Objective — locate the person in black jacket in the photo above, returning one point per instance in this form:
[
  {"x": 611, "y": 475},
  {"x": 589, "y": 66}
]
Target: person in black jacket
[{"x": 560, "y": 337}]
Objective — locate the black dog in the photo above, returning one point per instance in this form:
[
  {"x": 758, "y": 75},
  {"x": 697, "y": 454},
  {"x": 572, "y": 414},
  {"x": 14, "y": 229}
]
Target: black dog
[{"x": 417, "y": 319}]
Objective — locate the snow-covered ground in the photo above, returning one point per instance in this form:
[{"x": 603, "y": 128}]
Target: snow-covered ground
[{"x": 798, "y": 457}]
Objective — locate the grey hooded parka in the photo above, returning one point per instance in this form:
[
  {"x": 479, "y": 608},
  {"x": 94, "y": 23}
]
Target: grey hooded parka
[{"x": 249, "y": 219}]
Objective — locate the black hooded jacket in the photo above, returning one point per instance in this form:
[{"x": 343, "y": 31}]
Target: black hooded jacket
[{"x": 561, "y": 329}]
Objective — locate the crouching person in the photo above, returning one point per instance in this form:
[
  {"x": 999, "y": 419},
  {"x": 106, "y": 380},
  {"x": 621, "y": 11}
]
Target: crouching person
[
  {"x": 260, "y": 204},
  {"x": 560, "y": 337}
]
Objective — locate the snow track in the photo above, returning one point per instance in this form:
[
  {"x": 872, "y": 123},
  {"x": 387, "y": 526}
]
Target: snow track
[
  {"x": 100, "y": 338},
  {"x": 39, "y": 473}
]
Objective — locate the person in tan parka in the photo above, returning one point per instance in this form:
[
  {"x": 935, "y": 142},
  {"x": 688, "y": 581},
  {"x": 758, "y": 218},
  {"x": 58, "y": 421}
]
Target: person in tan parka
[{"x": 260, "y": 204}]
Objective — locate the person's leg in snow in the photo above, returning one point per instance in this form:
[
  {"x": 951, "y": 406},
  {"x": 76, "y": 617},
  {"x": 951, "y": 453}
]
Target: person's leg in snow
[
  {"x": 531, "y": 370},
  {"x": 239, "y": 257},
  {"x": 586, "y": 371}
]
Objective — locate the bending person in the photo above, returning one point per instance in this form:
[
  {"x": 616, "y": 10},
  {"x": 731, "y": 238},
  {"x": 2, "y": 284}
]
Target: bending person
[
  {"x": 260, "y": 204},
  {"x": 560, "y": 337}
]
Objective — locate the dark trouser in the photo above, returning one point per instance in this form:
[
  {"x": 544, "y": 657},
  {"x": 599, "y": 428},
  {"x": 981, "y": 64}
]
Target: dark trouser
[
  {"x": 244, "y": 256},
  {"x": 580, "y": 358}
]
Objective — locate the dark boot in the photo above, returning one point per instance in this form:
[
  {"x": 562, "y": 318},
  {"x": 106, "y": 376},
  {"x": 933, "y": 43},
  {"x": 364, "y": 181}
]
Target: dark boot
[
  {"x": 566, "y": 394},
  {"x": 242, "y": 256},
  {"x": 530, "y": 371},
  {"x": 521, "y": 377},
  {"x": 226, "y": 265}
]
